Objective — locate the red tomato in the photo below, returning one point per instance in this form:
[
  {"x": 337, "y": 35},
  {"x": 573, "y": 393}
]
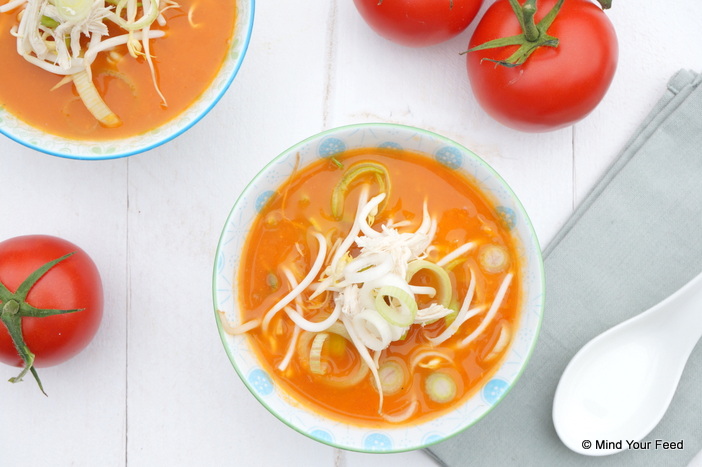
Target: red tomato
[
  {"x": 73, "y": 283},
  {"x": 418, "y": 23},
  {"x": 556, "y": 86}
]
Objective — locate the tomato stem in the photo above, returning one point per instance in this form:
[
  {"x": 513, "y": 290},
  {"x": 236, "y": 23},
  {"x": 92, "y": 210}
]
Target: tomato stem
[
  {"x": 14, "y": 327},
  {"x": 533, "y": 36},
  {"x": 16, "y": 307},
  {"x": 531, "y": 31},
  {"x": 11, "y": 307}
]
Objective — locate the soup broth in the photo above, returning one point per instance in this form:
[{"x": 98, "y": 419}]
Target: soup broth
[
  {"x": 186, "y": 60},
  {"x": 421, "y": 378}
]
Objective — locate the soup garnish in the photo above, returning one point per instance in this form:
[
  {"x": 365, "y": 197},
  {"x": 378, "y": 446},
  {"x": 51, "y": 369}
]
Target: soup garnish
[
  {"x": 382, "y": 292},
  {"x": 134, "y": 64},
  {"x": 64, "y": 37}
]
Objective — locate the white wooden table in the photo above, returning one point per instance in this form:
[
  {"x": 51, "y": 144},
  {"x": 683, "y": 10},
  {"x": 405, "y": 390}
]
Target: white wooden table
[{"x": 155, "y": 387}]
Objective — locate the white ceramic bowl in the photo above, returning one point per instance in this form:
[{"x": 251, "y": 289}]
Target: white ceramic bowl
[
  {"x": 36, "y": 139},
  {"x": 263, "y": 386}
]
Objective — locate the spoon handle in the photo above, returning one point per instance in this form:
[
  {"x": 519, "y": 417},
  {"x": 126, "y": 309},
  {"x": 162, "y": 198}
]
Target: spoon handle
[{"x": 685, "y": 313}]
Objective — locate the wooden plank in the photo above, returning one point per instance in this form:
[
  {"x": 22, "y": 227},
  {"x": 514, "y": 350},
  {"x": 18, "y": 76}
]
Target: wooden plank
[
  {"x": 83, "y": 417},
  {"x": 186, "y": 405}
]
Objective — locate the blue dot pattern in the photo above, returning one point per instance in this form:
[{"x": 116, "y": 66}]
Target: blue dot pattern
[
  {"x": 263, "y": 198},
  {"x": 390, "y": 145},
  {"x": 331, "y": 146},
  {"x": 377, "y": 442},
  {"x": 261, "y": 382},
  {"x": 507, "y": 215},
  {"x": 322, "y": 435},
  {"x": 494, "y": 389},
  {"x": 450, "y": 156}
]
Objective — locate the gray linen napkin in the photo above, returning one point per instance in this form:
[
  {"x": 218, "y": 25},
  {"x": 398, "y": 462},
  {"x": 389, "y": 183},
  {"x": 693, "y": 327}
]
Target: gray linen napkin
[{"x": 632, "y": 242}]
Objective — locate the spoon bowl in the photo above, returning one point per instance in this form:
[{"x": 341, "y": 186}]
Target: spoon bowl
[{"x": 618, "y": 386}]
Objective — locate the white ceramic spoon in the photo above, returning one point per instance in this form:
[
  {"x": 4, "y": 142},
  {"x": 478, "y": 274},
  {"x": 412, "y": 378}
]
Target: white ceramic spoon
[{"x": 617, "y": 388}]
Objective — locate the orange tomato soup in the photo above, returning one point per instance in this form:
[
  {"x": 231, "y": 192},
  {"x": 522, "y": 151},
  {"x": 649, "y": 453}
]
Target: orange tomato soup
[
  {"x": 281, "y": 235},
  {"x": 186, "y": 61}
]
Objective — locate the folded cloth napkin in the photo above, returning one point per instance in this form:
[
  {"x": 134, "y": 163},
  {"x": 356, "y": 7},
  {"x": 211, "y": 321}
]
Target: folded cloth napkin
[{"x": 633, "y": 241}]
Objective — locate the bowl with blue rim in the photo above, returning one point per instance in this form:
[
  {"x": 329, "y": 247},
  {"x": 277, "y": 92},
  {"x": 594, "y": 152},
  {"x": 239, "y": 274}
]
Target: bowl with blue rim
[
  {"x": 257, "y": 376},
  {"x": 18, "y": 130}
]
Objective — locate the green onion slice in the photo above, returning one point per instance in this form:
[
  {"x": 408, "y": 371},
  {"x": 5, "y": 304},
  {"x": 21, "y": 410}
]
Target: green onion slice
[
  {"x": 352, "y": 173},
  {"x": 440, "y": 387},
  {"x": 92, "y": 100},
  {"x": 493, "y": 258},
  {"x": 316, "y": 366},
  {"x": 393, "y": 377},
  {"x": 444, "y": 293},
  {"x": 396, "y": 305},
  {"x": 73, "y": 10}
]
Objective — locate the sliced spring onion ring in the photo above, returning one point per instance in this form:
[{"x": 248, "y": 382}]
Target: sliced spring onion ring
[
  {"x": 493, "y": 258},
  {"x": 440, "y": 387},
  {"x": 393, "y": 377},
  {"x": 131, "y": 25},
  {"x": 339, "y": 329},
  {"x": 396, "y": 305},
  {"x": 444, "y": 292},
  {"x": 369, "y": 290},
  {"x": 352, "y": 173},
  {"x": 404, "y": 414},
  {"x": 372, "y": 330},
  {"x": 501, "y": 344},
  {"x": 73, "y": 10},
  {"x": 355, "y": 376},
  {"x": 90, "y": 96},
  {"x": 316, "y": 366},
  {"x": 358, "y": 374},
  {"x": 399, "y": 332}
]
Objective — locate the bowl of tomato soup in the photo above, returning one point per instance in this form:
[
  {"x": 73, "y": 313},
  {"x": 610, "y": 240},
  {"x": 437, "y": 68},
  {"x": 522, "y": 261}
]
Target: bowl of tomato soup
[
  {"x": 103, "y": 80},
  {"x": 378, "y": 287}
]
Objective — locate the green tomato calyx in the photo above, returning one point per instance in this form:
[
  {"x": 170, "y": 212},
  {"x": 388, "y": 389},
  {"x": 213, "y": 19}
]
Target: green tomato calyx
[
  {"x": 15, "y": 307},
  {"x": 533, "y": 36}
]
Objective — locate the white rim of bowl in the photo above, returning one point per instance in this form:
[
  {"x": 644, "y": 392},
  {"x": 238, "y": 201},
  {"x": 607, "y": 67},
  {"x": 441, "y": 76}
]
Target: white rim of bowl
[
  {"x": 532, "y": 238},
  {"x": 86, "y": 154}
]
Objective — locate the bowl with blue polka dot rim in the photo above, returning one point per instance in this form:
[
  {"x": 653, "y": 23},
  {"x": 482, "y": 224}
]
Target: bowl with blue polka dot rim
[{"x": 261, "y": 380}]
